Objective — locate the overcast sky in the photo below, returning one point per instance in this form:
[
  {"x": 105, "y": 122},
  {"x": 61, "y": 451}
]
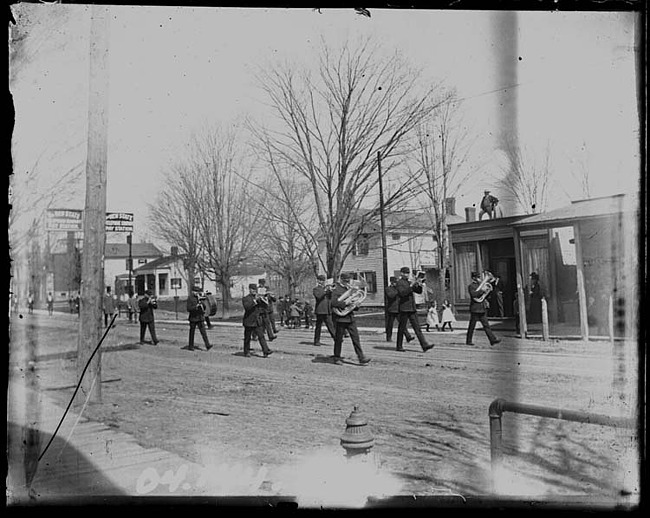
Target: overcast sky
[{"x": 171, "y": 69}]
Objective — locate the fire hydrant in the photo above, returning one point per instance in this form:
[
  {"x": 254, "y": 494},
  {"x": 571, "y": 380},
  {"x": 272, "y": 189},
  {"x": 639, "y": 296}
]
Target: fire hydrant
[{"x": 357, "y": 437}]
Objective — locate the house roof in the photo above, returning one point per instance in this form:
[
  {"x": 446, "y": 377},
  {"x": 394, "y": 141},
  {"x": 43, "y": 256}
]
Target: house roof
[
  {"x": 161, "y": 262},
  {"x": 583, "y": 209},
  {"x": 121, "y": 250}
]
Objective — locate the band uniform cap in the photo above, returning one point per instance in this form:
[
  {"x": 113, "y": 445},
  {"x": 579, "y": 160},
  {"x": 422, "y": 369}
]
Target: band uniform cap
[
  {"x": 252, "y": 286},
  {"x": 321, "y": 277},
  {"x": 148, "y": 292},
  {"x": 261, "y": 281},
  {"x": 345, "y": 276},
  {"x": 534, "y": 275},
  {"x": 486, "y": 192},
  {"x": 405, "y": 269},
  {"x": 474, "y": 274},
  {"x": 393, "y": 279}
]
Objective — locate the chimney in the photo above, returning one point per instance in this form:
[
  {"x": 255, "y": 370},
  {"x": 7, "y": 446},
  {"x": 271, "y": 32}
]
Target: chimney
[
  {"x": 450, "y": 206},
  {"x": 174, "y": 251},
  {"x": 470, "y": 214}
]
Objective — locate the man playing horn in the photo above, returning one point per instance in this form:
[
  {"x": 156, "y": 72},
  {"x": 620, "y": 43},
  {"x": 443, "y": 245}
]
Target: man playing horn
[
  {"x": 408, "y": 310},
  {"x": 322, "y": 293},
  {"x": 346, "y": 322},
  {"x": 477, "y": 308}
]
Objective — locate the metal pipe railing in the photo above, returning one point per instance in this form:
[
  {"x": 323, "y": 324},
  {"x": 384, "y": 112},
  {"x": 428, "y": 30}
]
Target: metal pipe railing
[{"x": 499, "y": 406}]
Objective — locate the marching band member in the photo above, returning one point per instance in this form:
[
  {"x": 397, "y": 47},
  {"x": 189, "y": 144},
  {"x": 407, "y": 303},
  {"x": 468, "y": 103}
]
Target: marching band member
[
  {"x": 477, "y": 310},
  {"x": 146, "y": 305},
  {"x": 323, "y": 309},
  {"x": 266, "y": 309},
  {"x": 197, "y": 318},
  {"x": 252, "y": 321},
  {"x": 392, "y": 313},
  {"x": 408, "y": 310},
  {"x": 343, "y": 323}
]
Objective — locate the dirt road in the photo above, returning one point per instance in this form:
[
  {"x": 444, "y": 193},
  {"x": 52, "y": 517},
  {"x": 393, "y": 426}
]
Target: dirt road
[{"x": 427, "y": 411}]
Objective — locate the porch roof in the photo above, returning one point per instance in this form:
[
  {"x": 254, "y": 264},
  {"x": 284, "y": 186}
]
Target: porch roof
[{"x": 580, "y": 210}]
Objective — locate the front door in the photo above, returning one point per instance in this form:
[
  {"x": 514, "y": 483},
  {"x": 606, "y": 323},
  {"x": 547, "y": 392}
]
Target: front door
[{"x": 504, "y": 267}]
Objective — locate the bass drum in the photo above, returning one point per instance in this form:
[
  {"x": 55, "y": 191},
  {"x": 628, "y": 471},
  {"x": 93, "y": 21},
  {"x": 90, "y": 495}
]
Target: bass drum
[{"x": 210, "y": 304}]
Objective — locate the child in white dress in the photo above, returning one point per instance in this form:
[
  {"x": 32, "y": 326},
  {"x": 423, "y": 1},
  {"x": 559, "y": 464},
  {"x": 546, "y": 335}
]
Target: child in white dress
[
  {"x": 432, "y": 316},
  {"x": 448, "y": 317}
]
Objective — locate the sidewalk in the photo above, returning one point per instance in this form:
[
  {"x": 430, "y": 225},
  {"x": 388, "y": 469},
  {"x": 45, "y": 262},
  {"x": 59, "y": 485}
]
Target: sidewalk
[{"x": 88, "y": 462}]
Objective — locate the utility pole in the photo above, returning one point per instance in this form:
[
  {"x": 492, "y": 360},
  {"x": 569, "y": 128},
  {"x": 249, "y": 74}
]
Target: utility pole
[
  {"x": 94, "y": 221},
  {"x": 384, "y": 259}
]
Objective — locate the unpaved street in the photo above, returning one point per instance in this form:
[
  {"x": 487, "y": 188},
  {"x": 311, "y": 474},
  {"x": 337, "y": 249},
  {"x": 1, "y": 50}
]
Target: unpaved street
[{"x": 426, "y": 411}]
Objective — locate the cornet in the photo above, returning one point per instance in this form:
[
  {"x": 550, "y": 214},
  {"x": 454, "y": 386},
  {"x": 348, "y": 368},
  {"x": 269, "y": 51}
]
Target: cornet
[{"x": 485, "y": 286}]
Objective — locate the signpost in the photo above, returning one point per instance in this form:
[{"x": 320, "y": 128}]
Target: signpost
[
  {"x": 119, "y": 222},
  {"x": 64, "y": 220}
]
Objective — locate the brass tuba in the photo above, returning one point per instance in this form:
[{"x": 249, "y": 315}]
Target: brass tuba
[
  {"x": 485, "y": 286},
  {"x": 353, "y": 298}
]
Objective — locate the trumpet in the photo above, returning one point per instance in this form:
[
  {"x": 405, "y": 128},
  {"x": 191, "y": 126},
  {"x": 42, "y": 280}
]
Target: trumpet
[
  {"x": 353, "y": 298},
  {"x": 485, "y": 286}
]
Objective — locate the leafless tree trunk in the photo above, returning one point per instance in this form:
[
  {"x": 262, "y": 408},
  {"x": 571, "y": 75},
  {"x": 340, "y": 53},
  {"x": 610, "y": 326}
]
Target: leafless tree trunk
[
  {"x": 284, "y": 249},
  {"x": 527, "y": 177},
  {"x": 330, "y": 127},
  {"x": 175, "y": 215},
  {"x": 443, "y": 149},
  {"x": 209, "y": 209}
]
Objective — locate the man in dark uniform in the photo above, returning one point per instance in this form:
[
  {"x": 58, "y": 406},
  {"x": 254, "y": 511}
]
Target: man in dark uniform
[
  {"x": 253, "y": 321},
  {"x": 345, "y": 323},
  {"x": 408, "y": 310},
  {"x": 392, "y": 310},
  {"x": 266, "y": 309},
  {"x": 322, "y": 308},
  {"x": 197, "y": 318},
  {"x": 477, "y": 312},
  {"x": 146, "y": 305}
]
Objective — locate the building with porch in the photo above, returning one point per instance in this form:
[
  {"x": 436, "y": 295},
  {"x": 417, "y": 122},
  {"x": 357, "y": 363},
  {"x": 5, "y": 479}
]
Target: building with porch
[
  {"x": 586, "y": 256},
  {"x": 409, "y": 242}
]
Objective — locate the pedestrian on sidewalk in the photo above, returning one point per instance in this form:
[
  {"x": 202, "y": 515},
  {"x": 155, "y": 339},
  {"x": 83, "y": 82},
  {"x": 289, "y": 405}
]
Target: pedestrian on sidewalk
[
  {"x": 30, "y": 303},
  {"x": 253, "y": 322},
  {"x": 50, "y": 303},
  {"x": 448, "y": 317},
  {"x": 308, "y": 313},
  {"x": 132, "y": 305},
  {"x": 477, "y": 309},
  {"x": 196, "y": 317},
  {"x": 147, "y": 305},
  {"x": 109, "y": 306}
]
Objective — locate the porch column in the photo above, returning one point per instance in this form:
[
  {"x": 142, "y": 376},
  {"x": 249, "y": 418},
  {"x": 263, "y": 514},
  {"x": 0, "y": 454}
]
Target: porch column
[
  {"x": 521, "y": 301},
  {"x": 582, "y": 294}
]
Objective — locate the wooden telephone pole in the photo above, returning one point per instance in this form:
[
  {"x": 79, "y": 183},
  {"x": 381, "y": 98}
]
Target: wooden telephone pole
[{"x": 94, "y": 222}]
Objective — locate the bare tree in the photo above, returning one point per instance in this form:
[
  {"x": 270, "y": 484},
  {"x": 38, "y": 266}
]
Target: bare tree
[
  {"x": 284, "y": 249},
  {"x": 527, "y": 177},
  {"x": 443, "y": 150},
  {"x": 331, "y": 126},
  {"x": 210, "y": 212},
  {"x": 175, "y": 214}
]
